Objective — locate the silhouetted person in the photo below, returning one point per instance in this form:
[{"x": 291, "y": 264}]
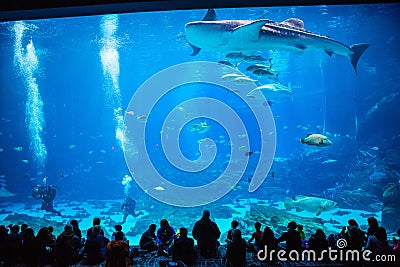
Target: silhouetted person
[
  {"x": 118, "y": 228},
  {"x": 118, "y": 252},
  {"x": 148, "y": 239},
  {"x": 318, "y": 243},
  {"x": 165, "y": 236},
  {"x": 396, "y": 248},
  {"x": 95, "y": 247},
  {"x": 256, "y": 236},
  {"x": 292, "y": 238},
  {"x": 269, "y": 242},
  {"x": 28, "y": 252},
  {"x": 67, "y": 247},
  {"x": 14, "y": 244},
  {"x": 372, "y": 226},
  {"x": 354, "y": 236},
  {"x": 45, "y": 247},
  {"x": 377, "y": 243},
  {"x": 234, "y": 225},
  {"x": 183, "y": 248},
  {"x": 236, "y": 251},
  {"x": 75, "y": 228},
  {"x": 96, "y": 222},
  {"x": 206, "y": 233}
]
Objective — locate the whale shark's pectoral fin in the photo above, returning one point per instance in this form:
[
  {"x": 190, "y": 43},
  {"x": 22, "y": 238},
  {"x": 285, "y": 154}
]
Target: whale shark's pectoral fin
[
  {"x": 250, "y": 30},
  {"x": 196, "y": 49}
]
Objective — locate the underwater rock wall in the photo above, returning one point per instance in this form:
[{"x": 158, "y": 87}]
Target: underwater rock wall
[{"x": 391, "y": 207}]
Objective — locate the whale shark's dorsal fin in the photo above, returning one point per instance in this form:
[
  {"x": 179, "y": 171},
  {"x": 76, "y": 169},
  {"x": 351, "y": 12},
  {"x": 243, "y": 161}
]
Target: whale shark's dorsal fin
[
  {"x": 251, "y": 30},
  {"x": 211, "y": 15}
]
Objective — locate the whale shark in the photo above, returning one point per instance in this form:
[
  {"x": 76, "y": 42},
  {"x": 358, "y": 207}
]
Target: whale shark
[{"x": 258, "y": 35}]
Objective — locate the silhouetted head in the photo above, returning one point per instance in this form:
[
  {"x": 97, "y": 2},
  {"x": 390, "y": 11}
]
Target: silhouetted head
[
  {"x": 292, "y": 225},
  {"x": 96, "y": 221},
  {"x": 237, "y": 234},
  {"x": 119, "y": 236},
  {"x": 118, "y": 227},
  {"x": 380, "y": 233},
  {"x": 50, "y": 229},
  {"x": 164, "y": 223},
  {"x": 15, "y": 228},
  {"x": 352, "y": 222},
  {"x": 206, "y": 213},
  {"x": 268, "y": 233},
  {"x": 153, "y": 227},
  {"x": 320, "y": 233},
  {"x": 183, "y": 232},
  {"x": 373, "y": 222},
  {"x": 257, "y": 225},
  {"x": 68, "y": 228},
  {"x": 24, "y": 226},
  {"x": 74, "y": 223},
  {"x": 300, "y": 227},
  {"x": 234, "y": 224}
]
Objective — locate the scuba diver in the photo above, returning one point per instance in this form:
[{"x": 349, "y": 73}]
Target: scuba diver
[
  {"x": 128, "y": 208},
  {"x": 47, "y": 193}
]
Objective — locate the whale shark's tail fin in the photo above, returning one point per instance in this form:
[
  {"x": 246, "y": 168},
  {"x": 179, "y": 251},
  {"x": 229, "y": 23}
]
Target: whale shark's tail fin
[
  {"x": 211, "y": 15},
  {"x": 358, "y": 50}
]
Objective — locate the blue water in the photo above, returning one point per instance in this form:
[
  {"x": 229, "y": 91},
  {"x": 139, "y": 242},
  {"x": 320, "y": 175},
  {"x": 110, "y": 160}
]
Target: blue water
[{"x": 84, "y": 157}]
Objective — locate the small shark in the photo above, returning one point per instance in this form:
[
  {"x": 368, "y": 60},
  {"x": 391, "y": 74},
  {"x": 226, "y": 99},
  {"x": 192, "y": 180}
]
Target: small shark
[{"x": 256, "y": 35}]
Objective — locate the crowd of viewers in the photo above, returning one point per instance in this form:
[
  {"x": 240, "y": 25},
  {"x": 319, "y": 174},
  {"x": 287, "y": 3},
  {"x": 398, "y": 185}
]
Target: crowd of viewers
[{"x": 20, "y": 247}]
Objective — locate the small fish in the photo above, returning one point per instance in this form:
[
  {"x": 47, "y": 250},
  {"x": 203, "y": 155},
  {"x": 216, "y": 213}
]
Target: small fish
[
  {"x": 131, "y": 113},
  {"x": 103, "y": 151},
  {"x": 72, "y": 147},
  {"x": 236, "y": 55},
  {"x": 242, "y": 147},
  {"x": 159, "y": 188},
  {"x": 255, "y": 59},
  {"x": 231, "y": 76},
  {"x": 373, "y": 148},
  {"x": 226, "y": 63},
  {"x": 266, "y": 73},
  {"x": 25, "y": 161},
  {"x": 26, "y": 175},
  {"x": 99, "y": 162},
  {"x": 18, "y": 148},
  {"x": 273, "y": 175},
  {"x": 248, "y": 154},
  {"x": 329, "y": 161},
  {"x": 254, "y": 67},
  {"x": 90, "y": 152},
  {"x": 244, "y": 80},
  {"x": 1, "y": 149},
  {"x": 141, "y": 118}
]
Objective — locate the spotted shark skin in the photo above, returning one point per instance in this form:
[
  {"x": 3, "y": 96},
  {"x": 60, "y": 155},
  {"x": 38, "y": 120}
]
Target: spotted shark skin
[{"x": 258, "y": 35}]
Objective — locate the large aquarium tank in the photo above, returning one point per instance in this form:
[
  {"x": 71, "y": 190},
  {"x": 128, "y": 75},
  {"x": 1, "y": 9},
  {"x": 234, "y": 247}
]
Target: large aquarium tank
[{"x": 267, "y": 114}]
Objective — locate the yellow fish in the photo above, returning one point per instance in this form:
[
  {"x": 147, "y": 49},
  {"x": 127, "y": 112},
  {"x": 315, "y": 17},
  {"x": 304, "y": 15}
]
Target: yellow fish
[{"x": 242, "y": 147}]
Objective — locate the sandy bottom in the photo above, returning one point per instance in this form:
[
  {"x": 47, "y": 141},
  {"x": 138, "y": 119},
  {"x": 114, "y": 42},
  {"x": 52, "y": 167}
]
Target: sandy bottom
[{"x": 96, "y": 208}]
